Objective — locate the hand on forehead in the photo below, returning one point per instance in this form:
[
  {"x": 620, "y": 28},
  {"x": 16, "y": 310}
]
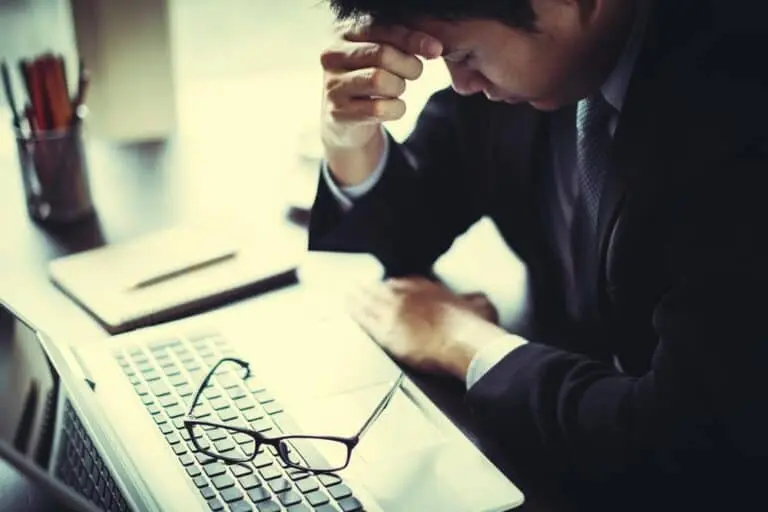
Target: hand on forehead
[{"x": 407, "y": 40}]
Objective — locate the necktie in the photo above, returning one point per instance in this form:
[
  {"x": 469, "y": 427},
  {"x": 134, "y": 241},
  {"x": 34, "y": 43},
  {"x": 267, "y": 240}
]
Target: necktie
[{"x": 593, "y": 142}]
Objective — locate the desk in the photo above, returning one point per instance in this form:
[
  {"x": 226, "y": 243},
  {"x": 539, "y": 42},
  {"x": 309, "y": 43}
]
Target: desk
[{"x": 143, "y": 187}]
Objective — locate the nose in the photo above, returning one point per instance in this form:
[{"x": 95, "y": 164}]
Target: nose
[{"x": 464, "y": 80}]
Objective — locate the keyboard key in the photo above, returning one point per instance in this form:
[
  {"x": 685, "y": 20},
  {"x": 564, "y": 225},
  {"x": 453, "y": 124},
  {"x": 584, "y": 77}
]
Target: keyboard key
[
  {"x": 264, "y": 397},
  {"x": 200, "y": 481},
  {"x": 203, "y": 458},
  {"x": 236, "y": 393},
  {"x": 218, "y": 403},
  {"x": 178, "y": 380},
  {"x": 307, "y": 485},
  {"x": 350, "y": 504},
  {"x": 329, "y": 480},
  {"x": 273, "y": 408},
  {"x": 239, "y": 470},
  {"x": 262, "y": 459},
  {"x": 185, "y": 390},
  {"x": 159, "y": 388},
  {"x": 173, "y": 438},
  {"x": 212, "y": 392},
  {"x": 207, "y": 492},
  {"x": 270, "y": 472},
  {"x": 153, "y": 409},
  {"x": 151, "y": 375},
  {"x": 259, "y": 494},
  {"x": 253, "y": 414},
  {"x": 147, "y": 399},
  {"x": 316, "y": 498},
  {"x": 289, "y": 498},
  {"x": 171, "y": 370},
  {"x": 249, "y": 481},
  {"x": 165, "y": 428},
  {"x": 175, "y": 411},
  {"x": 299, "y": 508},
  {"x": 231, "y": 494},
  {"x": 224, "y": 445},
  {"x": 179, "y": 449},
  {"x": 167, "y": 401},
  {"x": 253, "y": 385},
  {"x": 227, "y": 414},
  {"x": 245, "y": 403},
  {"x": 141, "y": 389},
  {"x": 268, "y": 506},
  {"x": 215, "y": 505},
  {"x": 193, "y": 470},
  {"x": 339, "y": 491},
  {"x": 242, "y": 438},
  {"x": 229, "y": 380},
  {"x": 279, "y": 485},
  {"x": 215, "y": 469},
  {"x": 217, "y": 434},
  {"x": 240, "y": 506},
  {"x": 133, "y": 379},
  {"x": 262, "y": 425},
  {"x": 223, "y": 481},
  {"x": 186, "y": 459}
]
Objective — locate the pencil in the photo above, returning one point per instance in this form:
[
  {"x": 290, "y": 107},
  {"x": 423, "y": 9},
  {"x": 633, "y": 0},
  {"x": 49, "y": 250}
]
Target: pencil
[{"x": 9, "y": 94}]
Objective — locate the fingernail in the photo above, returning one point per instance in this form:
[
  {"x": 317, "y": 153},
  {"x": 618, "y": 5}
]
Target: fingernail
[{"x": 431, "y": 47}]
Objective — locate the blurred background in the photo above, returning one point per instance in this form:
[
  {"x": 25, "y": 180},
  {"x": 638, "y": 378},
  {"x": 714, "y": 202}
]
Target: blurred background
[
  {"x": 223, "y": 99},
  {"x": 232, "y": 80}
]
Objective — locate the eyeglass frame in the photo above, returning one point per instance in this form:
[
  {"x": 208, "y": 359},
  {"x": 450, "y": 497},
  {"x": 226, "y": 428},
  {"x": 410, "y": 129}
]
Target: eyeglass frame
[{"x": 190, "y": 421}]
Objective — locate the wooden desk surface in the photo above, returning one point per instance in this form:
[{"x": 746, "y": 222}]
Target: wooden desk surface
[{"x": 140, "y": 188}]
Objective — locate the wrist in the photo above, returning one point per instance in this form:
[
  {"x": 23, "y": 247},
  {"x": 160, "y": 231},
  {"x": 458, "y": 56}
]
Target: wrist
[
  {"x": 352, "y": 165},
  {"x": 469, "y": 341}
]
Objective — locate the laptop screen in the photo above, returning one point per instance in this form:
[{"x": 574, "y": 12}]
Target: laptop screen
[{"x": 29, "y": 398}]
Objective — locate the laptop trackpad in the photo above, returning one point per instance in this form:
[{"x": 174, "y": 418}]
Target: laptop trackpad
[{"x": 404, "y": 460}]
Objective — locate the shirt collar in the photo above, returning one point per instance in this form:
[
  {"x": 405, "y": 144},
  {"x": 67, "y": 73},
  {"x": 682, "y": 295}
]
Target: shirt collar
[{"x": 614, "y": 89}]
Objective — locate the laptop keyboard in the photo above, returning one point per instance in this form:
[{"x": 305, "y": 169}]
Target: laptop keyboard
[
  {"x": 81, "y": 467},
  {"x": 165, "y": 376}
]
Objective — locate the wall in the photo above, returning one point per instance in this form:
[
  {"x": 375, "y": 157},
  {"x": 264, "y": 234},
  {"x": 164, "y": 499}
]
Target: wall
[{"x": 29, "y": 27}]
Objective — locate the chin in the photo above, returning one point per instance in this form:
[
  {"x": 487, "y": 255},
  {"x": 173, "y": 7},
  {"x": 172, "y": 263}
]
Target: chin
[{"x": 546, "y": 105}]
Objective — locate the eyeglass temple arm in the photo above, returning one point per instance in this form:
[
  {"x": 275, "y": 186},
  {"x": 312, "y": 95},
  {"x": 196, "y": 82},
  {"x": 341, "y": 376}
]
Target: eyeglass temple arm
[
  {"x": 381, "y": 406},
  {"x": 215, "y": 367}
]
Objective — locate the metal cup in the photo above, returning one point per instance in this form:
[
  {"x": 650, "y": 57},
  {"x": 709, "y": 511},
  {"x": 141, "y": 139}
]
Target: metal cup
[{"x": 55, "y": 175}]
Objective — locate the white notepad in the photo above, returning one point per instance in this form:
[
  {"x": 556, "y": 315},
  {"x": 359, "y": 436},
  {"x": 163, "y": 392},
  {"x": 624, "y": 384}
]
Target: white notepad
[{"x": 142, "y": 282}]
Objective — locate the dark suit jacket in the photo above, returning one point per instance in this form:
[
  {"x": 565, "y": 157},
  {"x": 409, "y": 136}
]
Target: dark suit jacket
[{"x": 682, "y": 255}]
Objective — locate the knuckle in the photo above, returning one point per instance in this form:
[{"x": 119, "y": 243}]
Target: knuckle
[{"x": 376, "y": 78}]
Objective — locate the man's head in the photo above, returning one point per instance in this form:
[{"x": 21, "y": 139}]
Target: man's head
[{"x": 546, "y": 52}]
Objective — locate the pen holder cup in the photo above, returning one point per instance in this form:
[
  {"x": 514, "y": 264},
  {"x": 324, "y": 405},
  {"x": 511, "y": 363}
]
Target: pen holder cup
[{"x": 55, "y": 175}]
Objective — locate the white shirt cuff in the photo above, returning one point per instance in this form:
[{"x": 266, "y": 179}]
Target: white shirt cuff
[
  {"x": 490, "y": 355},
  {"x": 346, "y": 195}
]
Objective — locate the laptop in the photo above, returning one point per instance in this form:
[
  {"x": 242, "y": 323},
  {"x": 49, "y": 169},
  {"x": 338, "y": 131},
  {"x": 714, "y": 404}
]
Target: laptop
[{"x": 111, "y": 419}]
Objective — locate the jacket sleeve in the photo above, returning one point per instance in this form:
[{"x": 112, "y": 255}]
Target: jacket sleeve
[
  {"x": 701, "y": 409},
  {"x": 425, "y": 198}
]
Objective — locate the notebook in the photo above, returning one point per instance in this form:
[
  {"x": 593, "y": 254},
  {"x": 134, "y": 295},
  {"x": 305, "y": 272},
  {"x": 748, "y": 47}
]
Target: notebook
[{"x": 175, "y": 273}]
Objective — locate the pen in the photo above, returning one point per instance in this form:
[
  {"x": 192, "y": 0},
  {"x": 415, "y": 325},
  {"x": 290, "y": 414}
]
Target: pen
[
  {"x": 9, "y": 94},
  {"x": 182, "y": 271}
]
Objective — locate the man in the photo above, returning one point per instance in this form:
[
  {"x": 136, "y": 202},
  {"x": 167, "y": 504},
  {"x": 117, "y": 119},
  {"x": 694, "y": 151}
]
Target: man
[{"x": 620, "y": 147}]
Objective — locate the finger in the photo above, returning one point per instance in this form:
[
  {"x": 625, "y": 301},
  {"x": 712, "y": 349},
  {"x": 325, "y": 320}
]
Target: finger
[
  {"x": 364, "y": 83},
  {"x": 406, "y": 40},
  {"x": 373, "y": 110},
  {"x": 354, "y": 55}
]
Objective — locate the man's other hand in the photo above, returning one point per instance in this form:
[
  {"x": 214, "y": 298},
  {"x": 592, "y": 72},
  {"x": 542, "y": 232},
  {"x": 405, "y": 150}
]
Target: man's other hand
[{"x": 425, "y": 325}]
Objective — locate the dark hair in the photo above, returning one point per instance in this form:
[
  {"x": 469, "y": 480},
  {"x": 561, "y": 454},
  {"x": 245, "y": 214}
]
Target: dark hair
[{"x": 516, "y": 13}]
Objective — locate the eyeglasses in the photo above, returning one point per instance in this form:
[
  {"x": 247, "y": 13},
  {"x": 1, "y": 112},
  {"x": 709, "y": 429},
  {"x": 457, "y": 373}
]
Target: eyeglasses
[{"x": 235, "y": 444}]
